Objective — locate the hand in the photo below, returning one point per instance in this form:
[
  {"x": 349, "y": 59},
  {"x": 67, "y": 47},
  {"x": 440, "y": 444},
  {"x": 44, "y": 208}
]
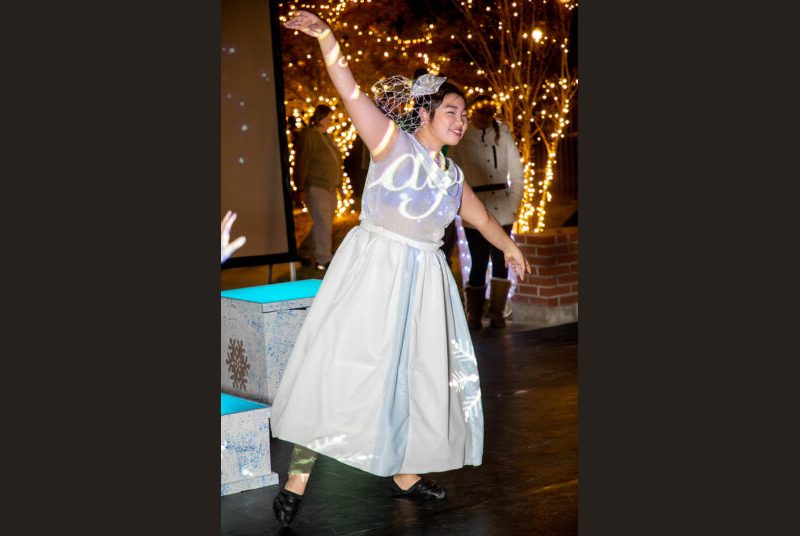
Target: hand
[
  {"x": 515, "y": 260},
  {"x": 308, "y": 23},
  {"x": 228, "y": 249}
]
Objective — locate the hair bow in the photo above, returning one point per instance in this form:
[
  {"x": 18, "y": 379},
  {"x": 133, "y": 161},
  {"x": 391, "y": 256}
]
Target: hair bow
[{"x": 427, "y": 84}]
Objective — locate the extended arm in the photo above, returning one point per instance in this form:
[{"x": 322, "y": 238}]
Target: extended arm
[
  {"x": 377, "y": 130},
  {"x": 474, "y": 212}
]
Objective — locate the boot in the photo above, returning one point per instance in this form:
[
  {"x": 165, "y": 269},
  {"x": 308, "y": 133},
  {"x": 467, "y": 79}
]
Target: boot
[
  {"x": 475, "y": 297},
  {"x": 498, "y": 293}
]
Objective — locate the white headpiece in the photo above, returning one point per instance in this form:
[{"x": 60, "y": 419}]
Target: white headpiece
[{"x": 397, "y": 96}]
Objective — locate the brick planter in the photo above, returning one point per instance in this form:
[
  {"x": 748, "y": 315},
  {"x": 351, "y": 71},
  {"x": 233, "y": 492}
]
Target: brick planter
[{"x": 549, "y": 295}]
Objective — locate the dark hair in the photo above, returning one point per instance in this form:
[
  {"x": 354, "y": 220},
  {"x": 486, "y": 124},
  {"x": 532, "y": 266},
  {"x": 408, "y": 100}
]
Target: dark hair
[
  {"x": 482, "y": 98},
  {"x": 320, "y": 113},
  {"x": 488, "y": 100}
]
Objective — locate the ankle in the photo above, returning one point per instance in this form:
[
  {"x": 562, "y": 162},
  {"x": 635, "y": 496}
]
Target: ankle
[
  {"x": 405, "y": 481},
  {"x": 296, "y": 483}
]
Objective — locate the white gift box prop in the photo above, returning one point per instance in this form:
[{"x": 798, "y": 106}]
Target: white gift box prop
[
  {"x": 259, "y": 328},
  {"x": 245, "y": 445}
]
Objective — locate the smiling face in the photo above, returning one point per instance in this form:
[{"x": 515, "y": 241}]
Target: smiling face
[{"x": 449, "y": 120}]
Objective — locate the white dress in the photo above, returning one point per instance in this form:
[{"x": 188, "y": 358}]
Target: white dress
[{"x": 383, "y": 375}]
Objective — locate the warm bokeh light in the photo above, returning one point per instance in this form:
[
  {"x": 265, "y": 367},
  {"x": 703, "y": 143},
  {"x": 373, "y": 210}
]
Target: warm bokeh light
[{"x": 519, "y": 58}]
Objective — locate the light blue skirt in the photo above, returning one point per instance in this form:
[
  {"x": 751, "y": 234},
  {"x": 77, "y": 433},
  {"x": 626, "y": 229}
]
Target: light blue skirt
[{"x": 383, "y": 375}]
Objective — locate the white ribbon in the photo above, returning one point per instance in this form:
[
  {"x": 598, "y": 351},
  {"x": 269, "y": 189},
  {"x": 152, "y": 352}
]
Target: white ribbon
[{"x": 427, "y": 84}]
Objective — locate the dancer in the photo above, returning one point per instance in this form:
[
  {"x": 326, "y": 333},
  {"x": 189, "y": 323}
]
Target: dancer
[
  {"x": 383, "y": 375},
  {"x": 491, "y": 164}
]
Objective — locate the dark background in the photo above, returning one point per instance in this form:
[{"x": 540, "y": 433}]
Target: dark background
[{"x": 687, "y": 283}]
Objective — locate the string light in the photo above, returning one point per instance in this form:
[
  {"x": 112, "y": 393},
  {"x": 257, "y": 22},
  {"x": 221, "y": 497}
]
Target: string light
[
  {"x": 538, "y": 111},
  {"x": 535, "y": 104}
]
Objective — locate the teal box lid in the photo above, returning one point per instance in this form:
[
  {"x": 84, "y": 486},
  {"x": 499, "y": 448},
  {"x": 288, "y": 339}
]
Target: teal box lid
[
  {"x": 233, "y": 404},
  {"x": 291, "y": 290}
]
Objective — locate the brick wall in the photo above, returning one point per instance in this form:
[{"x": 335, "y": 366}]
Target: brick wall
[{"x": 549, "y": 295}]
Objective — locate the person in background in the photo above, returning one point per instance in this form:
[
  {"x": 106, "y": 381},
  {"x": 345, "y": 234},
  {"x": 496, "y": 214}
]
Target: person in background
[
  {"x": 491, "y": 163},
  {"x": 356, "y": 166},
  {"x": 317, "y": 174}
]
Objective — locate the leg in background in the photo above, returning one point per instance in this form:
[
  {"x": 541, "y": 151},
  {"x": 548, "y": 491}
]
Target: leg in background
[
  {"x": 306, "y": 248},
  {"x": 499, "y": 269},
  {"x": 322, "y": 206},
  {"x": 479, "y": 249},
  {"x": 475, "y": 290},
  {"x": 498, "y": 291}
]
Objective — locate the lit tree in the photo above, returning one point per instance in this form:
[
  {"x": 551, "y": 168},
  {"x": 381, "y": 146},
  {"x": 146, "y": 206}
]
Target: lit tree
[{"x": 519, "y": 52}]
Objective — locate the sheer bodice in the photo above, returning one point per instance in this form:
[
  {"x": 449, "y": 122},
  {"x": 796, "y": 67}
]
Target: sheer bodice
[{"x": 409, "y": 194}]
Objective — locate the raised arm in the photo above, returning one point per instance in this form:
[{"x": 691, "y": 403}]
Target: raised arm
[
  {"x": 474, "y": 212},
  {"x": 377, "y": 130}
]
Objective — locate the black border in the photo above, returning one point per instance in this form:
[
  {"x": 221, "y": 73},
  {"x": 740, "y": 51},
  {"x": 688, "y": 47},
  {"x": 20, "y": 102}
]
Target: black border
[
  {"x": 277, "y": 65},
  {"x": 686, "y": 325},
  {"x": 116, "y": 134}
]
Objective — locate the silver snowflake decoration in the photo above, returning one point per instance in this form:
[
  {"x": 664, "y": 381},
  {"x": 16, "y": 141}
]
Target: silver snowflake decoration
[
  {"x": 238, "y": 365},
  {"x": 472, "y": 406},
  {"x": 459, "y": 380},
  {"x": 464, "y": 353}
]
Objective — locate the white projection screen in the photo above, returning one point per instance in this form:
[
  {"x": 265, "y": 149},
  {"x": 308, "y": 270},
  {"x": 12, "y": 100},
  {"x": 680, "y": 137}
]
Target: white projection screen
[{"x": 254, "y": 160}]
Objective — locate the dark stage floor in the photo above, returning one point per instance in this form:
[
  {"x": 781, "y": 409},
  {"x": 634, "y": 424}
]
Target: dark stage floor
[{"x": 527, "y": 485}]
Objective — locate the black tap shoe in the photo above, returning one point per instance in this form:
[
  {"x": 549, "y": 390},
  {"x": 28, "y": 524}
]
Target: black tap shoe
[
  {"x": 285, "y": 506},
  {"x": 422, "y": 490}
]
